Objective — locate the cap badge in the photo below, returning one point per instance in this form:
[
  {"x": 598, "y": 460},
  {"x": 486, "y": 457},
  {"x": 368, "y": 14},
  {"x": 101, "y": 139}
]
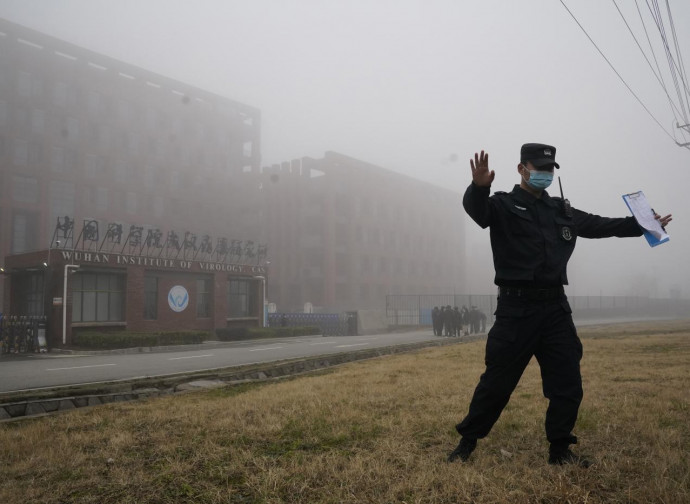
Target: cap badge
[
  {"x": 566, "y": 233},
  {"x": 547, "y": 152}
]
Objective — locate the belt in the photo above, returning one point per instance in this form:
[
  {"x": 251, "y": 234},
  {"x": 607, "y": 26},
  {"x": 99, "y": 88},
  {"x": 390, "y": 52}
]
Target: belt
[{"x": 532, "y": 293}]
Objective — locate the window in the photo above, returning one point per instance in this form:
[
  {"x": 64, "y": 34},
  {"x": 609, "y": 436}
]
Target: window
[
  {"x": 121, "y": 170},
  {"x": 61, "y": 199},
  {"x": 94, "y": 103},
  {"x": 123, "y": 111},
  {"x": 24, "y": 189},
  {"x": 60, "y": 94},
  {"x": 72, "y": 128},
  {"x": 131, "y": 202},
  {"x": 97, "y": 297},
  {"x": 57, "y": 159},
  {"x": 24, "y": 232},
  {"x": 3, "y": 113},
  {"x": 150, "y": 298},
  {"x": 21, "y": 152},
  {"x": 91, "y": 165},
  {"x": 241, "y": 302},
  {"x": 30, "y": 294},
  {"x": 104, "y": 137},
  {"x": 203, "y": 297},
  {"x": 38, "y": 121},
  {"x": 102, "y": 199},
  {"x": 247, "y": 149},
  {"x": 24, "y": 84},
  {"x": 158, "y": 207},
  {"x": 35, "y": 153},
  {"x": 150, "y": 119},
  {"x": 149, "y": 176}
]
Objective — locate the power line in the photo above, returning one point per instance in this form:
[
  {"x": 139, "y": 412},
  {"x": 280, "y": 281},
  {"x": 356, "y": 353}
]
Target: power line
[
  {"x": 679, "y": 56},
  {"x": 656, "y": 15},
  {"x": 616, "y": 72},
  {"x": 658, "y": 77}
]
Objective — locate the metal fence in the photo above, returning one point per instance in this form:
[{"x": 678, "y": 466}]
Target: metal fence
[
  {"x": 22, "y": 334},
  {"x": 415, "y": 310}
]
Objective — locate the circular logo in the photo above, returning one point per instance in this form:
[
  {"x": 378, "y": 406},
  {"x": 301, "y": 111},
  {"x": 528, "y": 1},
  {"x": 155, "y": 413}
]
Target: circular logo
[
  {"x": 566, "y": 233},
  {"x": 178, "y": 298}
]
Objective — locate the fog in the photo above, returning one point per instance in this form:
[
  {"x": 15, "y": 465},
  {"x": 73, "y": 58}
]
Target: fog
[{"x": 419, "y": 86}]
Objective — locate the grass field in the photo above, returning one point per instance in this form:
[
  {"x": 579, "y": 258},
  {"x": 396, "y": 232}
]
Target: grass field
[{"x": 376, "y": 431}]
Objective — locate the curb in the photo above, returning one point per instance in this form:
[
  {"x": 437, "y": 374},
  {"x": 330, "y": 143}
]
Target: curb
[{"x": 62, "y": 399}]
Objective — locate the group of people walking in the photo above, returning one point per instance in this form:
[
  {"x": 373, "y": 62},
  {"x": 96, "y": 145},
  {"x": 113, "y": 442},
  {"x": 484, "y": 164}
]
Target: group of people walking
[{"x": 448, "y": 321}]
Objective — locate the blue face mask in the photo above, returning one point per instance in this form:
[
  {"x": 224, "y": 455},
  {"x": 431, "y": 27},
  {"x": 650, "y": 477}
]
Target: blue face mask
[{"x": 539, "y": 179}]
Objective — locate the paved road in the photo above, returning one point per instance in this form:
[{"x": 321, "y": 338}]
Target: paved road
[{"x": 35, "y": 371}]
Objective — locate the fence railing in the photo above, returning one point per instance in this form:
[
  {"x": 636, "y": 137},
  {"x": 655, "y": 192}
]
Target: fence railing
[
  {"x": 22, "y": 334},
  {"x": 414, "y": 310}
]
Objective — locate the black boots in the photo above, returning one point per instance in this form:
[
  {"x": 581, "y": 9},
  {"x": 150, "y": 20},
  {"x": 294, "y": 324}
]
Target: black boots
[
  {"x": 463, "y": 450},
  {"x": 561, "y": 454}
]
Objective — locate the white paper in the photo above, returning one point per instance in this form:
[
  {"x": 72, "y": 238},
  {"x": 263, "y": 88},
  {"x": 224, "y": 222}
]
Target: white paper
[{"x": 640, "y": 208}]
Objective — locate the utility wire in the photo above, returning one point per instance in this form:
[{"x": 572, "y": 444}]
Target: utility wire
[
  {"x": 679, "y": 56},
  {"x": 656, "y": 15},
  {"x": 658, "y": 78},
  {"x": 616, "y": 72}
]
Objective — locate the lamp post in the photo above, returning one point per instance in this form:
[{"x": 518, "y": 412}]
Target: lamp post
[
  {"x": 64, "y": 301},
  {"x": 47, "y": 274},
  {"x": 264, "y": 316}
]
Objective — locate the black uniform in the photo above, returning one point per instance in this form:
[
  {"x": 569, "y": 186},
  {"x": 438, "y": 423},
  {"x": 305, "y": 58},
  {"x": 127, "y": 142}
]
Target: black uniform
[
  {"x": 434, "y": 320},
  {"x": 532, "y": 240}
]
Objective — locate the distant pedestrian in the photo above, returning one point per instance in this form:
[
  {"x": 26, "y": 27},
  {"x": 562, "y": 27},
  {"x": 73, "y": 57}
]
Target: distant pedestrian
[
  {"x": 457, "y": 321},
  {"x": 465, "y": 319},
  {"x": 448, "y": 321},
  {"x": 435, "y": 314}
]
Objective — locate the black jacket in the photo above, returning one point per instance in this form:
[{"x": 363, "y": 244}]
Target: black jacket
[{"x": 532, "y": 238}]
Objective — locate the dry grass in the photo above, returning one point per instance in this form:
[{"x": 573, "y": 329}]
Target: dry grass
[{"x": 376, "y": 431}]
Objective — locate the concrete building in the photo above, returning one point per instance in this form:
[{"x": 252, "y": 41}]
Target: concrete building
[
  {"x": 343, "y": 234},
  {"x": 100, "y": 141},
  {"x": 100, "y": 161}
]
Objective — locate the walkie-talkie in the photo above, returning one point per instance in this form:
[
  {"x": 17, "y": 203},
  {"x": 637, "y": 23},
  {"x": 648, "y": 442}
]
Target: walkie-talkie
[{"x": 567, "y": 209}]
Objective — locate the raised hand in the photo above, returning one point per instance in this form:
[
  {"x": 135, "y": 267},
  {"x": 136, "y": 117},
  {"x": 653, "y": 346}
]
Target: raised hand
[{"x": 481, "y": 176}]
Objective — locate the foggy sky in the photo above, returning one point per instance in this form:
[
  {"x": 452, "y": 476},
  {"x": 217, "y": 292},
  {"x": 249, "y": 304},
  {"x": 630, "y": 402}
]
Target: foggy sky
[{"x": 410, "y": 85}]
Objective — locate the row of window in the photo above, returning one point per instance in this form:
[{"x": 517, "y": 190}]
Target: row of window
[
  {"x": 197, "y": 139},
  {"x": 99, "y": 297}
]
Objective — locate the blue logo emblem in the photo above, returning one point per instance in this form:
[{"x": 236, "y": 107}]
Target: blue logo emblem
[{"x": 178, "y": 298}]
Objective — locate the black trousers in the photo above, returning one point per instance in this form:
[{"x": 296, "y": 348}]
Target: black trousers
[{"x": 526, "y": 328}]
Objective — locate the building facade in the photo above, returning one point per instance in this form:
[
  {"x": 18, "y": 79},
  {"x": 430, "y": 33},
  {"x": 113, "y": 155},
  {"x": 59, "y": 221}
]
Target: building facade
[
  {"x": 82, "y": 290},
  {"x": 344, "y": 234},
  {"x": 98, "y": 140},
  {"x": 147, "y": 183}
]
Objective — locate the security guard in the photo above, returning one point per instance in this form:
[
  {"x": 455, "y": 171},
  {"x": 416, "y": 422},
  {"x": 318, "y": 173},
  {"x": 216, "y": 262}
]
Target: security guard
[{"x": 532, "y": 238}]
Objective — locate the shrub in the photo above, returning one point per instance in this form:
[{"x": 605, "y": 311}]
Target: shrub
[
  {"x": 232, "y": 333},
  {"x": 129, "y": 339}
]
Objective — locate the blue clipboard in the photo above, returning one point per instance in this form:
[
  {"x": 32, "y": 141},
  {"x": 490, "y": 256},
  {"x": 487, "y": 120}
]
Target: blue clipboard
[{"x": 644, "y": 214}]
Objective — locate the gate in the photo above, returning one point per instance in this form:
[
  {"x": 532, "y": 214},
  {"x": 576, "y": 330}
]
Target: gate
[
  {"x": 415, "y": 309},
  {"x": 22, "y": 334}
]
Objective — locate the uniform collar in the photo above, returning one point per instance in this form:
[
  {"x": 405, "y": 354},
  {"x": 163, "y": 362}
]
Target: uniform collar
[{"x": 528, "y": 199}]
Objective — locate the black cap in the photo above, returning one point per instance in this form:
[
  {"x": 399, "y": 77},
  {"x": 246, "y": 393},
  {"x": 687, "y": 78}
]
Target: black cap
[{"x": 540, "y": 155}]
